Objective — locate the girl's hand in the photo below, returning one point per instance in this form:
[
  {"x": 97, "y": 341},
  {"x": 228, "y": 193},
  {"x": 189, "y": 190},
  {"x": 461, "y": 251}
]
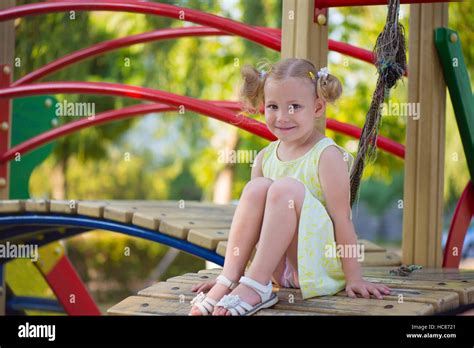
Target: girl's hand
[
  {"x": 204, "y": 287},
  {"x": 365, "y": 289}
]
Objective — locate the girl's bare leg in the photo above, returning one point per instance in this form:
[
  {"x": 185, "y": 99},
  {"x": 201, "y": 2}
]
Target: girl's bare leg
[
  {"x": 282, "y": 210},
  {"x": 244, "y": 234}
]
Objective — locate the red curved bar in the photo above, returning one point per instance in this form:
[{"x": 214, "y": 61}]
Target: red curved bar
[
  {"x": 350, "y": 3},
  {"x": 459, "y": 224},
  {"x": 165, "y": 34},
  {"x": 142, "y": 93},
  {"x": 104, "y": 117},
  {"x": 137, "y": 110},
  {"x": 110, "y": 45},
  {"x": 155, "y": 9}
]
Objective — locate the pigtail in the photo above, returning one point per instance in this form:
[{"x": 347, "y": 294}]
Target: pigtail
[
  {"x": 251, "y": 92},
  {"x": 328, "y": 87}
]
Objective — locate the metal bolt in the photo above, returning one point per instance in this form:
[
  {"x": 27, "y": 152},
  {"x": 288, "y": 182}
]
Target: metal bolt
[
  {"x": 54, "y": 122},
  {"x": 321, "y": 19},
  {"x": 453, "y": 37},
  {"x": 7, "y": 70},
  {"x": 57, "y": 251},
  {"x": 48, "y": 103},
  {"x": 4, "y": 126},
  {"x": 3, "y": 182}
]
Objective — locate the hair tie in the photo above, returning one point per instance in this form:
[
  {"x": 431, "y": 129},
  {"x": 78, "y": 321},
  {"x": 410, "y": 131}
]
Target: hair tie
[
  {"x": 323, "y": 72},
  {"x": 263, "y": 73}
]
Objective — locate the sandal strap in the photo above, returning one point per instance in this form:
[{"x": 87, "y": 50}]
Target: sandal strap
[
  {"x": 222, "y": 279},
  {"x": 264, "y": 291},
  {"x": 204, "y": 303}
]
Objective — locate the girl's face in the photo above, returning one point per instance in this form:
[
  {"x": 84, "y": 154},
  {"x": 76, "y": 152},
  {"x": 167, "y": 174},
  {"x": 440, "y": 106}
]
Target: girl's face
[{"x": 291, "y": 108}]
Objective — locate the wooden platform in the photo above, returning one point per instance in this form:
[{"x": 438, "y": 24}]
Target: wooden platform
[
  {"x": 424, "y": 292},
  {"x": 207, "y": 225}
]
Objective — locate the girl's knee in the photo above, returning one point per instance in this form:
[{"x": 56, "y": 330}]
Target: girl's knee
[
  {"x": 257, "y": 188},
  {"x": 286, "y": 189}
]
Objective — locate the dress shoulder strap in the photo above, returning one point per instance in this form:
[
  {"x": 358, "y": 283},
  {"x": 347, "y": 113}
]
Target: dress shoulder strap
[{"x": 268, "y": 152}]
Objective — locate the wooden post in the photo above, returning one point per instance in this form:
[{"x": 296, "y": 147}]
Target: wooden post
[
  {"x": 425, "y": 137},
  {"x": 7, "y": 46},
  {"x": 303, "y": 37}
]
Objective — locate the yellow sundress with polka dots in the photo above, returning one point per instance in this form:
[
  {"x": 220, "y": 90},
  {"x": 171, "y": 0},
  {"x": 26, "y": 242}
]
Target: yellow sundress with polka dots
[{"x": 319, "y": 270}]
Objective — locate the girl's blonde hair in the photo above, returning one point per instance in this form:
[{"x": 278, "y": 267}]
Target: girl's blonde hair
[{"x": 328, "y": 87}]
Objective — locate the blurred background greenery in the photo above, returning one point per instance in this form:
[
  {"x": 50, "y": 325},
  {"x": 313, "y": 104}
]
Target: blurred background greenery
[{"x": 174, "y": 156}]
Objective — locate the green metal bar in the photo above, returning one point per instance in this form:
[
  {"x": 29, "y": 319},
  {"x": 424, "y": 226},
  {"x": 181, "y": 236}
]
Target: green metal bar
[{"x": 448, "y": 45}]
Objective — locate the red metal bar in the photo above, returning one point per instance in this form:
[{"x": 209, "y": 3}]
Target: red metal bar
[
  {"x": 343, "y": 3},
  {"x": 156, "y": 9},
  {"x": 352, "y": 51},
  {"x": 110, "y": 45},
  {"x": 136, "y": 92},
  {"x": 5, "y": 125},
  {"x": 139, "y": 110},
  {"x": 166, "y": 34},
  {"x": 383, "y": 143},
  {"x": 459, "y": 224},
  {"x": 64, "y": 281}
]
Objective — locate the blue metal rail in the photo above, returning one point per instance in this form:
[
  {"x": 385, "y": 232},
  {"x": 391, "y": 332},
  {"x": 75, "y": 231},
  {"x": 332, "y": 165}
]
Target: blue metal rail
[{"x": 63, "y": 226}]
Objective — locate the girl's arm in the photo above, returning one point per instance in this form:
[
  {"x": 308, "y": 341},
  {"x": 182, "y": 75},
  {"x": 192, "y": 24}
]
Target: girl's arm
[{"x": 335, "y": 183}]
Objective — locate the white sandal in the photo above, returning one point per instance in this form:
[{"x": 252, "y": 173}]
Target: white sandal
[
  {"x": 206, "y": 304},
  {"x": 238, "y": 307}
]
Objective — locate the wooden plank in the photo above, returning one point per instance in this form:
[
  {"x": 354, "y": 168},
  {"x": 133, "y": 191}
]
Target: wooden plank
[
  {"x": 425, "y": 140},
  {"x": 152, "y": 220},
  {"x": 12, "y": 206},
  {"x": 179, "y": 228},
  {"x": 208, "y": 238},
  {"x": 291, "y": 300},
  {"x": 281, "y": 312},
  {"x": 381, "y": 259},
  {"x": 338, "y": 305},
  {"x": 370, "y": 246},
  {"x": 37, "y": 205},
  {"x": 96, "y": 208},
  {"x": 440, "y": 300},
  {"x": 221, "y": 248},
  {"x": 439, "y": 274},
  {"x": 464, "y": 290},
  {"x": 63, "y": 206},
  {"x": 153, "y": 214},
  {"x": 146, "y": 306}
]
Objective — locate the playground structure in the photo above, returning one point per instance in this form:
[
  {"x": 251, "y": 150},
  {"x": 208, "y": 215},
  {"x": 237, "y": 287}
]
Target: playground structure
[{"x": 44, "y": 222}]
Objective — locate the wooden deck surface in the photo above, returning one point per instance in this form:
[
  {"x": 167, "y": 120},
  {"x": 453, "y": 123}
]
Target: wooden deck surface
[{"x": 423, "y": 292}]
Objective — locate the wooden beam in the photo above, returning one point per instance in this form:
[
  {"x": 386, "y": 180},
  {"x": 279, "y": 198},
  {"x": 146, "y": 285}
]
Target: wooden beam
[
  {"x": 303, "y": 38},
  {"x": 425, "y": 138}
]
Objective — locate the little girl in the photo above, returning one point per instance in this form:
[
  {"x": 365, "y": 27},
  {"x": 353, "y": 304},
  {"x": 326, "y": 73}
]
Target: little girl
[{"x": 296, "y": 205}]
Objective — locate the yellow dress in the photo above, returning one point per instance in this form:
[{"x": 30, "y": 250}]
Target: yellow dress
[{"x": 319, "y": 271}]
